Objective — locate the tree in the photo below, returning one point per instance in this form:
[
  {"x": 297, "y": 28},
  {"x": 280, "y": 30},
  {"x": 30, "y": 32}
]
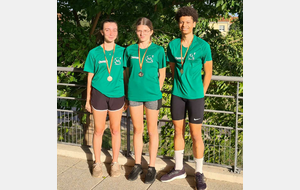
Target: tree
[{"x": 78, "y": 32}]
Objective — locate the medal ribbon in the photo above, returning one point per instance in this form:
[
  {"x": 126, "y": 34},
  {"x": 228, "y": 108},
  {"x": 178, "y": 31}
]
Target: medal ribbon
[
  {"x": 141, "y": 64},
  {"x": 183, "y": 60},
  {"x": 109, "y": 69}
]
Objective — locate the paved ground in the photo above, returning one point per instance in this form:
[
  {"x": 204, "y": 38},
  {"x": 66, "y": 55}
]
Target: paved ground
[{"x": 75, "y": 174}]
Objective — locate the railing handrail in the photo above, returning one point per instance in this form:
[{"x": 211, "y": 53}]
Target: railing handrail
[{"x": 214, "y": 77}]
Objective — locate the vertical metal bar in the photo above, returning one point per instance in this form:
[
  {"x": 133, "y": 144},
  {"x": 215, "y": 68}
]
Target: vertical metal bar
[
  {"x": 236, "y": 128},
  {"x": 121, "y": 131},
  {"x": 75, "y": 126},
  {"x": 72, "y": 127},
  {"x": 93, "y": 127},
  {"x": 230, "y": 147},
  {"x": 214, "y": 152},
  {"x": 220, "y": 147},
  {"x": 128, "y": 132},
  {"x": 203, "y": 138},
  {"x": 79, "y": 126},
  {"x": 68, "y": 128},
  {"x": 65, "y": 125},
  {"x": 61, "y": 116},
  {"x": 209, "y": 143},
  {"x": 60, "y": 123},
  {"x": 225, "y": 145}
]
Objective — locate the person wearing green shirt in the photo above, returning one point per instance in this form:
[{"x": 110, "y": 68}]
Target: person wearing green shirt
[
  {"x": 187, "y": 57},
  {"x": 105, "y": 93},
  {"x": 146, "y": 68}
]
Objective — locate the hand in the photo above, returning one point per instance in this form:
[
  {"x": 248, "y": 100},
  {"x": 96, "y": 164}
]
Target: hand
[{"x": 88, "y": 106}]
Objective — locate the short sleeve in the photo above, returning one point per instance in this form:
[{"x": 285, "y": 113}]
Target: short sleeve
[
  {"x": 207, "y": 56},
  {"x": 170, "y": 57},
  {"x": 126, "y": 57},
  {"x": 89, "y": 65},
  {"x": 161, "y": 58}
]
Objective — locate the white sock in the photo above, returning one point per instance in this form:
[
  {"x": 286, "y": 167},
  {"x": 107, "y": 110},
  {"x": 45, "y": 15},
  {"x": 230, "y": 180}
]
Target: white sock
[
  {"x": 178, "y": 159},
  {"x": 199, "y": 164}
]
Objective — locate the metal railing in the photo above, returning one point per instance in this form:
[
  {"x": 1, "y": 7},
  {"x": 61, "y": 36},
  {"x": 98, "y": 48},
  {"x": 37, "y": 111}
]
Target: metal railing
[{"x": 72, "y": 130}]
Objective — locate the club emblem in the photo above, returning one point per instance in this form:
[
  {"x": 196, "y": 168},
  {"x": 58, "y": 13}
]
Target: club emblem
[
  {"x": 118, "y": 61},
  {"x": 191, "y": 56},
  {"x": 149, "y": 58}
]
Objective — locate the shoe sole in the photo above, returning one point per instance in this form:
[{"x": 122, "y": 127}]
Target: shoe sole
[
  {"x": 177, "y": 177},
  {"x": 99, "y": 176},
  {"x": 203, "y": 189},
  {"x": 115, "y": 175},
  {"x": 148, "y": 182},
  {"x": 136, "y": 176}
]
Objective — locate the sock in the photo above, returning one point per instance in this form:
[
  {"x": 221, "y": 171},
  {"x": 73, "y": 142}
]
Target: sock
[
  {"x": 199, "y": 164},
  {"x": 178, "y": 159}
]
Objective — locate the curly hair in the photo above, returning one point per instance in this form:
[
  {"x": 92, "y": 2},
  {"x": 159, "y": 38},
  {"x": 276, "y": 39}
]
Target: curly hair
[{"x": 187, "y": 11}]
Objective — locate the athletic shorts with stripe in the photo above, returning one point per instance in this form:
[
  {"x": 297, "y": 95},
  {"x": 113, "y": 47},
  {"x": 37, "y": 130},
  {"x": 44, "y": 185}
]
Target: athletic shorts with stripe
[
  {"x": 195, "y": 108},
  {"x": 100, "y": 102},
  {"x": 152, "y": 105}
]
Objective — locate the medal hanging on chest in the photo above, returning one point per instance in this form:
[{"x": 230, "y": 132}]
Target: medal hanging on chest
[
  {"x": 141, "y": 74},
  {"x": 109, "y": 78},
  {"x": 183, "y": 59}
]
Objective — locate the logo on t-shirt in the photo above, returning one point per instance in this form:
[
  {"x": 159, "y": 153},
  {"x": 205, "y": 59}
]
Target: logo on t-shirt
[
  {"x": 102, "y": 62},
  {"x": 191, "y": 56},
  {"x": 118, "y": 61},
  {"x": 149, "y": 58},
  {"x": 133, "y": 57}
]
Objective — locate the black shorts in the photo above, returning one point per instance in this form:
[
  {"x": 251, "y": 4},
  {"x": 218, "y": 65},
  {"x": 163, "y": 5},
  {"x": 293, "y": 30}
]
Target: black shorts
[
  {"x": 100, "y": 102},
  {"x": 195, "y": 108}
]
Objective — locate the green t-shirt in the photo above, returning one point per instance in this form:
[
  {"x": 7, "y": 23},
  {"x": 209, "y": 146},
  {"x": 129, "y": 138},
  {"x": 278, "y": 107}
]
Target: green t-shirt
[
  {"x": 145, "y": 88},
  {"x": 95, "y": 63},
  {"x": 189, "y": 85}
]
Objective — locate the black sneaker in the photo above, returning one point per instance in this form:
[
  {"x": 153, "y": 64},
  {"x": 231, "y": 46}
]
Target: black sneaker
[
  {"x": 137, "y": 170},
  {"x": 173, "y": 174},
  {"x": 200, "y": 182},
  {"x": 151, "y": 175}
]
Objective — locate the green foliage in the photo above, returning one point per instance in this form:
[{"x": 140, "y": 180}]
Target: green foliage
[{"x": 74, "y": 41}]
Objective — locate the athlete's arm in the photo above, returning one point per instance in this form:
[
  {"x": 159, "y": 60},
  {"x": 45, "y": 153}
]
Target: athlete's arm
[
  {"x": 172, "y": 67},
  {"x": 207, "y": 75},
  {"x": 162, "y": 76},
  {"x": 88, "y": 92}
]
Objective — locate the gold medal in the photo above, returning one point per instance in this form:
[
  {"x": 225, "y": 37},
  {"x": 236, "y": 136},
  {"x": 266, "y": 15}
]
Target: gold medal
[
  {"x": 109, "y": 78},
  {"x": 181, "y": 70}
]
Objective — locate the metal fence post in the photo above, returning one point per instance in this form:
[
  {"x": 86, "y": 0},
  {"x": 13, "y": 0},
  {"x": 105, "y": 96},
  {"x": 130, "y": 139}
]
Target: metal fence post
[
  {"x": 128, "y": 132},
  {"x": 235, "y": 169}
]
